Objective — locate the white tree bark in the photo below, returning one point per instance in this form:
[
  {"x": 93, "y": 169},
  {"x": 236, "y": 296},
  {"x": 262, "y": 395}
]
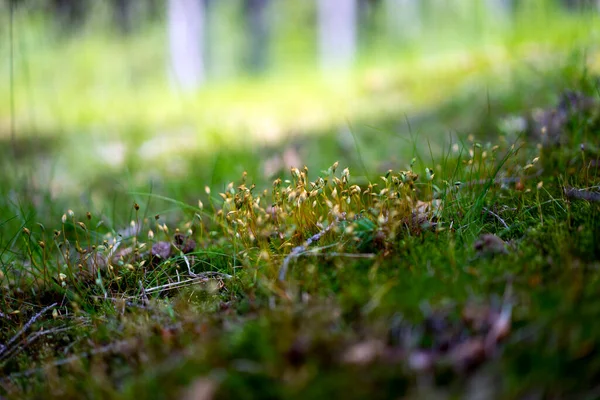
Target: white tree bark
[
  {"x": 186, "y": 40},
  {"x": 337, "y": 32}
]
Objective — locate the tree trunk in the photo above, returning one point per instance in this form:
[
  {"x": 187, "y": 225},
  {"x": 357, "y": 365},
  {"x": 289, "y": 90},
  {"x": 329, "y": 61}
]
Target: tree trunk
[
  {"x": 70, "y": 13},
  {"x": 403, "y": 18},
  {"x": 257, "y": 49},
  {"x": 186, "y": 40},
  {"x": 501, "y": 7},
  {"x": 337, "y": 32},
  {"x": 122, "y": 15}
]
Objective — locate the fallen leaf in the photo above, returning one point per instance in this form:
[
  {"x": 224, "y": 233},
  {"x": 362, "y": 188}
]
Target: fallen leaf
[
  {"x": 161, "y": 250},
  {"x": 421, "y": 360},
  {"x": 468, "y": 354},
  {"x": 183, "y": 243},
  {"x": 200, "y": 389},
  {"x": 363, "y": 353},
  {"x": 490, "y": 245}
]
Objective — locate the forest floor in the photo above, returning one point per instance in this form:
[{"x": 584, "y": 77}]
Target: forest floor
[
  {"x": 452, "y": 252},
  {"x": 470, "y": 273}
]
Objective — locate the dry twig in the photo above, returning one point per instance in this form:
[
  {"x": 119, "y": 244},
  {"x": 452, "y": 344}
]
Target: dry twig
[
  {"x": 581, "y": 194},
  {"x": 116, "y": 347},
  {"x": 296, "y": 251},
  {"x": 500, "y": 181},
  {"x": 497, "y": 217},
  {"x": 202, "y": 277},
  {"x": 4, "y": 349},
  {"x": 30, "y": 339},
  {"x": 143, "y": 294}
]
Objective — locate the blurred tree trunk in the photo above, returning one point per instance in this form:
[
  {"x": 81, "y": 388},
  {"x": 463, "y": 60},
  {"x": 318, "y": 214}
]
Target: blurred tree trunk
[
  {"x": 257, "y": 50},
  {"x": 582, "y": 4},
  {"x": 403, "y": 18},
  {"x": 154, "y": 8},
  {"x": 70, "y": 13},
  {"x": 123, "y": 15},
  {"x": 500, "y": 12},
  {"x": 367, "y": 22},
  {"x": 504, "y": 7},
  {"x": 337, "y": 32},
  {"x": 223, "y": 38},
  {"x": 186, "y": 42},
  {"x": 364, "y": 8}
]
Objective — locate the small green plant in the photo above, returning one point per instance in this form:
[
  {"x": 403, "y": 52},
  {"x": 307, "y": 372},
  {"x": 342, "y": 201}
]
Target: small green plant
[{"x": 305, "y": 287}]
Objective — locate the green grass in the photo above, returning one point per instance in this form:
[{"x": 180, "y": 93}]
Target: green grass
[
  {"x": 390, "y": 286},
  {"x": 393, "y": 296}
]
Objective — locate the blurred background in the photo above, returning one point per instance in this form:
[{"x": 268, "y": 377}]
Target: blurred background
[{"x": 103, "y": 100}]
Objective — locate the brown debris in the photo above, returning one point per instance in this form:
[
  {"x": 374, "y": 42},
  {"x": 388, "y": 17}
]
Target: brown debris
[
  {"x": 581, "y": 194},
  {"x": 519, "y": 186},
  {"x": 297, "y": 353},
  {"x": 95, "y": 261},
  {"x": 440, "y": 341},
  {"x": 424, "y": 216},
  {"x": 490, "y": 245},
  {"x": 422, "y": 360},
  {"x": 122, "y": 254},
  {"x": 161, "y": 250},
  {"x": 363, "y": 353},
  {"x": 500, "y": 328},
  {"x": 469, "y": 354},
  {"x": 184, "y": 243},
  {"x": 548, "y": 125},
  {"x": 201, "y": 389}
]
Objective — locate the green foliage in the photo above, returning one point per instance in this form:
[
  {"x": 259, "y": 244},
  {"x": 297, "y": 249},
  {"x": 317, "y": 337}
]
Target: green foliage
[
  {"x": 367, "y": 277},
  {"x": 381, "y": 274}
]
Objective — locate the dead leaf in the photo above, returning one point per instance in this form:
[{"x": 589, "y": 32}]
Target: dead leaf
[
  {"x": 548, "y": 125},
  {"x": 478, "y": 317},
  {"x": 297, "y": 353},
  {"x": 490, "y": 245},
  {"x": 122, "y": 254},
  {"x": 363, "y": 353},
  {"x": 161, "y": 250},
  {"x": 500, "y": 328},
  {"x": 468, "y": 354},
  {"x": 184, "y": 243},
  {"x": 201, "y": 389},
  {"x": 422, "y": 360}
]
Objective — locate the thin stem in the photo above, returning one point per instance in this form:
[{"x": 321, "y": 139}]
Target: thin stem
[{"x": 12, "y": 77}]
